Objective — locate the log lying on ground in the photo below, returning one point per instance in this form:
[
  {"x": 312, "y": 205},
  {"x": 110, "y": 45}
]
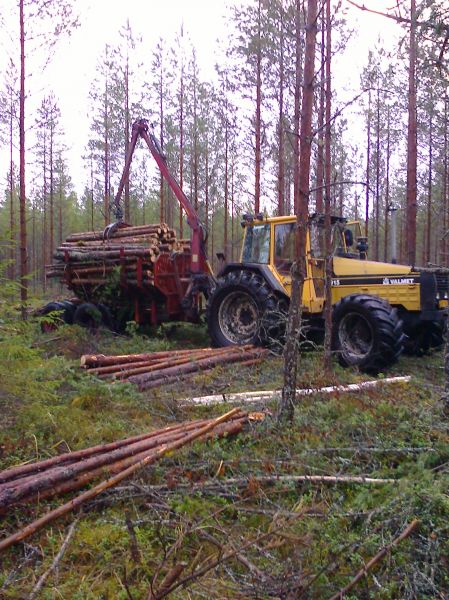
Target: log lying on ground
[
  {"x": 268, "y": 395},
  {"x": 170, "y": 374},
  {"x": 68, "y": 457},
  {"x": 233, "y": 427},
  {"x": 156, "y": 368},
  {"x": 149, "y": 458}
]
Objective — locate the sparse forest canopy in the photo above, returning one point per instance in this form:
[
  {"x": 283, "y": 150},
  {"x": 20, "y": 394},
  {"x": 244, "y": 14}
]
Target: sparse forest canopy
[{"x": 230, "y": 138}]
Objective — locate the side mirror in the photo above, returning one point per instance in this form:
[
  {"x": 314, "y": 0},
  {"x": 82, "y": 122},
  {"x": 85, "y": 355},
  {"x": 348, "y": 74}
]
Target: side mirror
[{"x": 349, "y": 238}]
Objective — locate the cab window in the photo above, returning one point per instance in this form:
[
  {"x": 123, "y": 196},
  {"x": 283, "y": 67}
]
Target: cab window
[
  {"x": 256, "y": 246},
  {"x": 284, "y": 247}
]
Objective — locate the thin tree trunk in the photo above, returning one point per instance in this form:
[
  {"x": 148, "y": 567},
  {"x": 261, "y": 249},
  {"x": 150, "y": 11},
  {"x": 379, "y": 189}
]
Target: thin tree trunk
[
  {"x": 162, "y": 214},
  {"x": 106, "y": 157},
  {"x": 61, "y": 196},
  {"x": 377, "y": 208},
  {"x": 23, "y": 230},
  {"x": 429, "y": 187},
  {"x": 286, "y": 404},
  {"x": 387, "y": 185},
  {"x": 444, "y": 258},
  {"x": 320, "y": 148},
  {"x": 281, "y": 158},
  {"x": 327, "y": 206},
  {"x": 12, "y": 225},
  {"x": 368, "y": 160},
  {"x": 412, "y": 149},
  {"x": 258, "y": 120},
  {"x": 45, "y": 254},
  {"x": 52, "y": 191},
  {"x": 126, "y": 190},
  {"x": 181, "y": 139},
  {"x": 226, "y": 187}
]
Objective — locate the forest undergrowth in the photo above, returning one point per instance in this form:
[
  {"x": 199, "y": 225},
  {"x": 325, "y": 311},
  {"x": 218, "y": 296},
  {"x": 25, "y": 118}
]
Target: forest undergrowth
[{"x": 230, "y": 510}]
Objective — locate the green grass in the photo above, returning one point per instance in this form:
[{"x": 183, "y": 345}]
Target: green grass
[{"x": 49, "y": 404}]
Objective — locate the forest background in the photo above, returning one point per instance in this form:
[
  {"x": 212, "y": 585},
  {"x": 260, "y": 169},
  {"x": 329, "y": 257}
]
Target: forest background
[{"x": 222, "y": 103}]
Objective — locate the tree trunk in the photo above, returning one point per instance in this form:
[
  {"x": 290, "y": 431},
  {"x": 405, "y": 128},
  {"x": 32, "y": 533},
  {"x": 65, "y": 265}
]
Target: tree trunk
[
  {"x": 286, "y": 404},
  {"x": 258, "y": 120},
  {"x": 23, "y": 230},
  {"x": 387, "y": 185},
  {"x": 126, "y": 190},
  {"x": 327, "y": 208},
  {"x": 444, "y": 243},
  {"x": 412, "y": 150},
  {"x": 368, "y": 160},
  {"x": 106, "y": 158},
  {"x": 281, "y": 158},
  {"x": 181, "y": 139},
  {"x": 12, "y": 225},
  {"x": 320, "y": 148},
  {"x": 377, "y": 207},
  {"x": 429, "y": 188}
]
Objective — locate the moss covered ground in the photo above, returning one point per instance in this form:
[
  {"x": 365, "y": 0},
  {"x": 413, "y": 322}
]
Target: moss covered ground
[{"x": 276, "y": 539}]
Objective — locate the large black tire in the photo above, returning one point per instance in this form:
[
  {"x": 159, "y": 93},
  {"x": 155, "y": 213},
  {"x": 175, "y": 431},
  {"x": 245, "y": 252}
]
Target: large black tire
[
  {"x": 243, "y": 309},
  {"x": 58, "y": 313},
  {"x": 367, "y": 333},
  {"x": 88, "y": 315}
]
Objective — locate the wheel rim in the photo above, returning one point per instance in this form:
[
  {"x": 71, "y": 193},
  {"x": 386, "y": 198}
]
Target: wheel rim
[
  {"x": 356, "y": 336},
  {"x": 238, "y": 318}
]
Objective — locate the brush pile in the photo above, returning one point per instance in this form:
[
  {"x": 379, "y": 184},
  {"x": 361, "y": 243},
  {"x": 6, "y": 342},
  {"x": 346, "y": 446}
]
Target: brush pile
[
  {"x": 89, "y": 259},
  {"x": 159, "y": 368}
]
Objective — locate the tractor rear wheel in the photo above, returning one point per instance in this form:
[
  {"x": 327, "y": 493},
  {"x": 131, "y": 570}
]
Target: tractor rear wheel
[
  {"x": 367, "y": 333},
  {"x": 243, "y": 309}
]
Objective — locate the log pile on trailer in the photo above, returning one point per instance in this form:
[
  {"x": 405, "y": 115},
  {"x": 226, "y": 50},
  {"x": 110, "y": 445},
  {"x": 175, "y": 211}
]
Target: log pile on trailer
[
  {"x": 153, "y": 369},
  {"x": 88, "y": 259}
]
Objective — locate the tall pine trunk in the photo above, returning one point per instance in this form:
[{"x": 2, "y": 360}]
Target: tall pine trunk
[
  {"x": 327, "y": 206},
  {"x": 412, "y": 150},
  {"x": 12, "y": 224},
  {"x": 368, "y": 160},
  {"x": 387, "y": 185},
  {"x": 22, "y": 200},
  {"x": 281, "y": 157},
  {"x": 258, "y": 120},
  {"x": 286, "y": 404},
  {"x": 320, "y": 148}
]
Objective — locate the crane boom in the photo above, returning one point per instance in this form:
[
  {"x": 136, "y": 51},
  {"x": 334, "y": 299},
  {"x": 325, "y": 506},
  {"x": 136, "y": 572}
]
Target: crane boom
[{"x": 140, "y": 128}]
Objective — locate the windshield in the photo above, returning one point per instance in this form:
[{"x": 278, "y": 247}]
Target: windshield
[
  {"x": 256, "y": 247},
  {"x": 318, "y": 240}
]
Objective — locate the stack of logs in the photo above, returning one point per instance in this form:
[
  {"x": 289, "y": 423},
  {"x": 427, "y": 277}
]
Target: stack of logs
[
  {"x": 33, "y": 482},
  {"x": 74, "y": 470},
  {"x": 89, "y": 259},
  {"x": 159, "y": 368}
]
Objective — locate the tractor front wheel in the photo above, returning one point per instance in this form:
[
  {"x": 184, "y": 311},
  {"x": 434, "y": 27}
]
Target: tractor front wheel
[
  {"x": 367, "y": 333},
  {"x": 243, "y": 309}
]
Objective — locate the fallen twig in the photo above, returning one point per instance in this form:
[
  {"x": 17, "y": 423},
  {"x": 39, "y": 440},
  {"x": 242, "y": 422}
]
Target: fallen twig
[
  {"x": 371, "y": 563},
  {"x": 57, "y": 559}
]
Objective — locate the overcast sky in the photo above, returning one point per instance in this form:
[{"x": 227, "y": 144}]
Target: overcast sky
[{"x": 73, "y": 67}]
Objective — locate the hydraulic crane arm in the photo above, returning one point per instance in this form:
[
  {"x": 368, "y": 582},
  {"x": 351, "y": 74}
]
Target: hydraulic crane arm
[{"x": 141, "y": 129}]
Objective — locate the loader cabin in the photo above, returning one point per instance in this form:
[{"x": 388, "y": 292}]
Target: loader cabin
[{"x": 271, "y": 242}]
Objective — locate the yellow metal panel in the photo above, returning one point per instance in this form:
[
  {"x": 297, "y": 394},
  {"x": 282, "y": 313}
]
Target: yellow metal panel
[{"x": 407, "y": 296}]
